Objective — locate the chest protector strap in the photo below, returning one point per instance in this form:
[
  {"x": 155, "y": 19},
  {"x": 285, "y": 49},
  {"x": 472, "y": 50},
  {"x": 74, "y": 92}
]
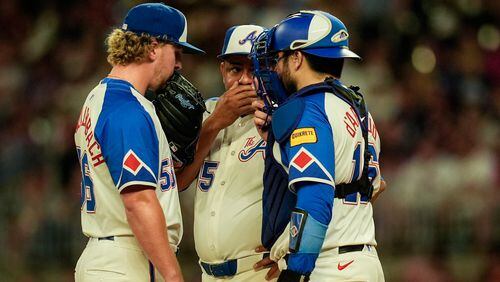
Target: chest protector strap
[{"x": 355, "y": 99}]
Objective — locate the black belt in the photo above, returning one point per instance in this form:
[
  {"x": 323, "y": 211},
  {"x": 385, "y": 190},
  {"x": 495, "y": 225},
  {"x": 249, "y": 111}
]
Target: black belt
[
  {"x": 109, "y": 238},
  {"x": 350, "y": 248},
  {"x": 227, "y": 268}
]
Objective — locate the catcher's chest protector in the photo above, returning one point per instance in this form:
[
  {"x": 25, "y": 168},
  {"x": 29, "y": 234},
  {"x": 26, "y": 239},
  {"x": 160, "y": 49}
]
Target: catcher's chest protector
[{"x": 277, "y": 200}]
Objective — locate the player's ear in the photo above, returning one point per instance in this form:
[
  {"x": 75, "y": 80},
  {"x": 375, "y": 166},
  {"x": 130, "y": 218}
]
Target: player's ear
[
  {"x": 153, "y": 53},
  {"x": 297, "y": 59}
]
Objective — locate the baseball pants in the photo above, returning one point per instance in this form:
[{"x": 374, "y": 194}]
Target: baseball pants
[
  {"x": 120, "y": 259},
  {"x": 352, "y": 266}
]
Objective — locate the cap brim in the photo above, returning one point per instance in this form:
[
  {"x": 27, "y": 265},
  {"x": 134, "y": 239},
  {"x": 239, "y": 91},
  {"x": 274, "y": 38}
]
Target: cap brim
[
  {"x": 190, "y": 49},
  {"x": 332, "y": 53},
  {"x": 222, "y": 56}
]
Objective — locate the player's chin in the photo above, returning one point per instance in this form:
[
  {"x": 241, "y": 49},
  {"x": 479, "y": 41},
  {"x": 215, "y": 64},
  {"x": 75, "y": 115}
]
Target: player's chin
[{"x": 160, "y": 81}]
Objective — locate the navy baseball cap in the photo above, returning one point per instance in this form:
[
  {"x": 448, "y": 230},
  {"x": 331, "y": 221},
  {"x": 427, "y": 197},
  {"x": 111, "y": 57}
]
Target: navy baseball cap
[
  {"x": 161, "y": 21},
  {"x": 239, "y": 40}
]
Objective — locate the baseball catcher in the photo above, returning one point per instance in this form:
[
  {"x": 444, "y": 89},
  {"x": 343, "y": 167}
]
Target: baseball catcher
[{"x": 180, "y": 106}]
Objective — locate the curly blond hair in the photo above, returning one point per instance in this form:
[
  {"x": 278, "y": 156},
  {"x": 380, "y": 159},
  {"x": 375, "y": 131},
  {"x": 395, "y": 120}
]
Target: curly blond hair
[{"x": 125, "y": 47}]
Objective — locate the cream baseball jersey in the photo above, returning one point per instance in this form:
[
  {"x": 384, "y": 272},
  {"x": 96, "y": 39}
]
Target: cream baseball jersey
[
  {"x": 327, "y": 146},
  {"x": 120, "y": 143},
  {"x": 228, "y": 201}
]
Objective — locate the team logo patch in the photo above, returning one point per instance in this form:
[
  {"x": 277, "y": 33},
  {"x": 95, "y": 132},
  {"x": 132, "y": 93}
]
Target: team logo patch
[
  {"x": 250, "y": 37},
  {"x": 251, "y": 148},
  {"x": 303, "y": 136},
  {"x": 302, "y": 160},
  {"x": 132, "y": 162},
  {"x": 341, "y": 35}
]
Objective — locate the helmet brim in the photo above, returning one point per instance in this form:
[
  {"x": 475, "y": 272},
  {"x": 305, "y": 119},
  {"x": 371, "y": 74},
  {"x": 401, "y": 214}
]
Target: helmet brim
[{"x": 332, "y": 53}]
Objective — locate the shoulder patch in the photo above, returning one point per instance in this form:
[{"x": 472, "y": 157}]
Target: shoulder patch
[
  {"x": 303, "y": 135},
  {"x": 132, "y": 163},
  {"x": 302, "y": 160}
]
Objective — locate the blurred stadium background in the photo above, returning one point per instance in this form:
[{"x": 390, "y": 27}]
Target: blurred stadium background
[{"x": 431, "y": 74}]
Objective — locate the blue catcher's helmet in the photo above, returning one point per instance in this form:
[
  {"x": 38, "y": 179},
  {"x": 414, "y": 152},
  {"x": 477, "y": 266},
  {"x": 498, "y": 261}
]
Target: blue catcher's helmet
[{"x": 314, "y": 32}]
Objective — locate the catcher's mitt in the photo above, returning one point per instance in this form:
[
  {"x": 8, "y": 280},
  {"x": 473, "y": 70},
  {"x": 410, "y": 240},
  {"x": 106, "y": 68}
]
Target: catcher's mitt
[{"x": 180, "y": 106}]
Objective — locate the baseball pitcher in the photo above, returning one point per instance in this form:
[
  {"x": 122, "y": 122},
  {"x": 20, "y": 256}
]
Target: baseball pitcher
[{"x": 129, "y": 200}]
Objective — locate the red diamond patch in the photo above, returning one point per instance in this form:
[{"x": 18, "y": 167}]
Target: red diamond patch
[
  {"x": 132, "y": 162},
  {"x": 294, "y": 231},
  {"x": 302, "y": 160}
]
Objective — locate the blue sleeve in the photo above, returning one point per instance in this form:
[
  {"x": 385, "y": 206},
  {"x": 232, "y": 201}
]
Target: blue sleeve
[
  {"x": 130, "y": 146},
  {"x": 317, "y": 200},
  {"x": 310, "y": 147}
]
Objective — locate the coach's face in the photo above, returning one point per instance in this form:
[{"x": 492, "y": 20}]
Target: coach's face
[
  {"x": 236, "y": 68},
  {"x": 168, "y": 58}
]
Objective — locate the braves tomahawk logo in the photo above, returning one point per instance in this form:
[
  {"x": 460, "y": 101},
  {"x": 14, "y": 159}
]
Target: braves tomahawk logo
[
  {"x": 252, "y": 148},
  {"x": 250, "y": 37}
]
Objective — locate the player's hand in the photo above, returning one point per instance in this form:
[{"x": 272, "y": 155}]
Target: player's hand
[
  {"x": 234, "y": 103},
  {"x": 381, "y": 189},
  {"x": 267, "y": 262},
  {"x": 260, "y": 118}
]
